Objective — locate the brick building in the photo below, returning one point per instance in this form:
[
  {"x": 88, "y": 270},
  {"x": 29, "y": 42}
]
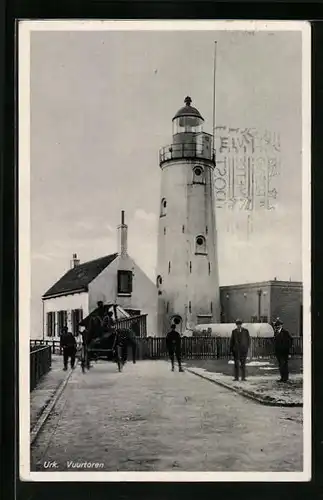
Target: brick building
[{"x": 263, "y": 302}]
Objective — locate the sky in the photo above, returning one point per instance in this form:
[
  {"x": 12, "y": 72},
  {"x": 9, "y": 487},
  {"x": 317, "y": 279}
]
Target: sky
[{"x": 102, "y": 105}]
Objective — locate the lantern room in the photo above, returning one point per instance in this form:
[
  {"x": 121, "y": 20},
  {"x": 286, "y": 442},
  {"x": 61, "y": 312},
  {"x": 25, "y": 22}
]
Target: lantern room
[
  {"x": 189, "y": 140},
  {"x": 187, "y": 120}
]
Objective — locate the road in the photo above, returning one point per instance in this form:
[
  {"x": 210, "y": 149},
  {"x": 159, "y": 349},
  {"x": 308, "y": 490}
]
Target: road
[{"x": 150, "y": 419}]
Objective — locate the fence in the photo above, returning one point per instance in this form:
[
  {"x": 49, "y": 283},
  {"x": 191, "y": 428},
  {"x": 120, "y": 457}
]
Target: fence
[
  {"x": 40, "y": 363},
  {"x": 195, "y": 347},
  {"x": 138, "y": 324},
  {"x": 211, "y": 348}
]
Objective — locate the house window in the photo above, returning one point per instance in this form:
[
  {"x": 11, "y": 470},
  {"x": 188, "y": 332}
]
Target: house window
[
  {"x": 50, "y": 324},
  {"x": 167, "y": 306},
  {"x": 209, "y": 268},
  {"x": 77, "y": 316},
  {"x": 62, "y": 321},
  {"x": 206, "y": 229},
  {"x": 190, "y": 266},
  {"x": 125, "y": 282},
  {"x": 183, "y": 229},
  {"x": 190, "y": 306},
  {"x": 198, "y": 175},
  {"x": 164, "y": 230},
  {"x": 163, "y": 206},
  {"x": 263, "y": 319},
  {"x": 254, "y": 319},
  {"x": 200, "y": 245},
  {"x": 211, "y": 307}
]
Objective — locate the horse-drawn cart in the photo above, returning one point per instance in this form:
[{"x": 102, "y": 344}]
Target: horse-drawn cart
[{"x": 108, "y": 333}]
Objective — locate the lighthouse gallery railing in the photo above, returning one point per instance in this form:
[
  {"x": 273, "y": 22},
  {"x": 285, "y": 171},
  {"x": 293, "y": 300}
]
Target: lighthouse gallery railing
[{"x": 185, "y": 150}]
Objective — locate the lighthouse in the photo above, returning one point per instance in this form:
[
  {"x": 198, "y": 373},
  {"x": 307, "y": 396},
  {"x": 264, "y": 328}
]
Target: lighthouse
[{"x": 187, "y": 267}]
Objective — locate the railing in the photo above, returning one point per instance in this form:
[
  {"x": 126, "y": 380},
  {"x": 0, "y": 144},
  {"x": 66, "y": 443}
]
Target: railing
[
  {"x": 53, "y": 344},
  {"x": 197, "y": 347},
  {"x": 40, "y": 363},
  {"x": 185, "y": 150},
  {"x": 138, "y": 324}
]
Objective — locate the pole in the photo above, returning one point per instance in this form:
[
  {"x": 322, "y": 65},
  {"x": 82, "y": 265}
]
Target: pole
[
  {"x": 43, "y": 321},
  {"x": 214, "y": 96}
]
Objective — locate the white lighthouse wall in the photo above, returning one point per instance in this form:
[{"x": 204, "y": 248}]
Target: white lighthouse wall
[
  {"x": 187, "y": 288},
  {"x": 144, "y": 293},
  {"x": 203, "y": 285},
  {"x": 172, "y": 245}
]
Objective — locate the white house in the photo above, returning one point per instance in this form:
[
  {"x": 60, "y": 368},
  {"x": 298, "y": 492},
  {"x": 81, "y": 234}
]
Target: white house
[{"x": 115, "y": 278}]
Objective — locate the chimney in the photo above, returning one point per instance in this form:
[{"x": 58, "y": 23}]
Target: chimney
[
  {"x": 122, "y": 237},
  {"x": 75, "y": 261}
]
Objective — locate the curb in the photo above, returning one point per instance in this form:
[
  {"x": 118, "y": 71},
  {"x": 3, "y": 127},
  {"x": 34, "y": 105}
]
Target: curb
[
  {"x": 48, "y": 409},
  {"x": 246, "y": 394}
]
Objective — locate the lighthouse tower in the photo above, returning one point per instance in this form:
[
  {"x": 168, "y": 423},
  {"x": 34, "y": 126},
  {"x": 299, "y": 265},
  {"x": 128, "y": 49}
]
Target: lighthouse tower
[{"x": 187, "y": 268}]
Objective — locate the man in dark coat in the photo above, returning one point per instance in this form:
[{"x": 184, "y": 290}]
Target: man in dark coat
[
  {"x": 239, "y": 346},
  {"x": 68, "y": 344},
  {"x": 173, "y": 344},
  {"x": 283, "y": 343},
  {"x": 122, "y": 340}
]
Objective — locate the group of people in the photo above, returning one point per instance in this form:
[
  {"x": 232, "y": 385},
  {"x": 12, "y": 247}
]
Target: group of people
[
  {"x": 240, "y": 343},
  {"x": 100, "y": 329},
  {"x": 239, "y": 347},
  {"x": 101, "y": 326}
]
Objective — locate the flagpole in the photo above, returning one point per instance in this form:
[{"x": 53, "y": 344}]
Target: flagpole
[{"x": 214, "y": 95}]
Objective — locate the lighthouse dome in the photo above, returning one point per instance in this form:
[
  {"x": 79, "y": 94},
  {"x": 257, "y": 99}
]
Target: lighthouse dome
[
  {"x": 187, "y": 119},
  {"x": 188, "y": 110}
]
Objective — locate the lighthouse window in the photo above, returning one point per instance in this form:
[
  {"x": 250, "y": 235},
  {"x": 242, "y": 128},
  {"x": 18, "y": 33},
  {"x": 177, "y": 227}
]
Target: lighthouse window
[
  {"x": 190, "y": 306},
  {"x": 159, "y": 280},
  {"x": 176, "y": 320},
  {"x": 200, "y": 247},
  {"x": 164, "y": 230},
  {"x": 209, "y": 268},
  {"x": 198, "y": 175},
  {"x": 168, "y": 267},
  {"x": 163, "y": 207}
]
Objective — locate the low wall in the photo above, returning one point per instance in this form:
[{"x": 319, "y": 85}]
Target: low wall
[{"x": 40, "y": 363}]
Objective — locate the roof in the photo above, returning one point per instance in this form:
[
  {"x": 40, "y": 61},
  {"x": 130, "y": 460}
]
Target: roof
[
  {"x": 273, "y": 283},
  {"x": 188, "y": 110},
  {"x": 78, "y": 278}
]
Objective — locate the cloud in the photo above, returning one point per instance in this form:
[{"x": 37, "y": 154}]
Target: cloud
[{"x": 146, "y": 216}]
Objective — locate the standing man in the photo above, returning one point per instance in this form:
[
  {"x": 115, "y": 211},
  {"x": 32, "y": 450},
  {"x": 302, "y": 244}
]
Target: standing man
[
  {"x": 173, "y": 344},
  {"x": 283, "y": 343},
  {"x": 120, "y": 347},
  {"x": 239, "y": 347},
  {"x": 68, "y": 344}
]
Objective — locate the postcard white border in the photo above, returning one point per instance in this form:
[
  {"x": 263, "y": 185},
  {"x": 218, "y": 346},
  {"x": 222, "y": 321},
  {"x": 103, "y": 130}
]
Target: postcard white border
[{"x": 25, "y": 28}]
